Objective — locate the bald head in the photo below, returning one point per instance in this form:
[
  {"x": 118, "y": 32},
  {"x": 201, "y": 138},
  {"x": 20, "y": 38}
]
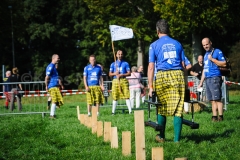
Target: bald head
[
  {"x": 207, "y": 44},
  {"x": 55, "y": 59}
]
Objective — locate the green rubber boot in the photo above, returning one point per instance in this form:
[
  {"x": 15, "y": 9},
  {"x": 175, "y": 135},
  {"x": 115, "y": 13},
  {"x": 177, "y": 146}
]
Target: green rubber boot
[
  {"x": 162, "y": 122},
  {"x": 177, "y": 128}
]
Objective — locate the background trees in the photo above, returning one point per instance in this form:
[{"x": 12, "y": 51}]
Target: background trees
[{"x": 77, "y": 28}]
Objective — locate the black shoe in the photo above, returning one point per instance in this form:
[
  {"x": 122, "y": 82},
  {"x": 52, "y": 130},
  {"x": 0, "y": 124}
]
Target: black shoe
[{"x": 6, "y": 107}]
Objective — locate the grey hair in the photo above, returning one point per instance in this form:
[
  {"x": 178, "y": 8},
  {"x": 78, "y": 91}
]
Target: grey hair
[
  {"x": 162, "y": 26},
  {"x": 134, "y": 69}
]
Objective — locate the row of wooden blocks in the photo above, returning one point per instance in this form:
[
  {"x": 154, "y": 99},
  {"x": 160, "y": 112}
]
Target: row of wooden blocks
[{"x": 110, "y": 134}]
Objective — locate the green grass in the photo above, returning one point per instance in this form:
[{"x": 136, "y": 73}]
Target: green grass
[{"x": 34, "y": 137}]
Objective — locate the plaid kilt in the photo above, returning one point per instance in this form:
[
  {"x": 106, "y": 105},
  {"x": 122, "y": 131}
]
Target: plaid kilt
[
  {"x": 56, "y": 95},
  {"x": 95, "y": 95},
  {"x": 170, "y": 90},
  {"x": 123, "y": 85}
]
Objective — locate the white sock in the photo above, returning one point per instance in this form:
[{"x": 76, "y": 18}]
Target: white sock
[
  {"x": 129, "y": 105},
  {"x": 53, "y": 108},
  {"x": 185, "y": 106},
  {"x": 97, "y": 113},
  {"x": 114, "y": 105},
  {"x": 89, "y": 113}
]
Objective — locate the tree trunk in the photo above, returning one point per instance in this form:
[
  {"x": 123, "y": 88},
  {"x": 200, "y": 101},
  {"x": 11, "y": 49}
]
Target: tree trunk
[
  {"x": 196, "y": 47},
  {"x": 140, "y": 53}
]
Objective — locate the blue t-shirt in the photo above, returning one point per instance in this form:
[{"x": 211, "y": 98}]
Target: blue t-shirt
[
  {"x": 168, "y": 54},
  {"x": 122, "y": 66},
  {"x": 92, "y": 74},
  {"x": 51, "y": 71},
  {"x": 210, "y": 68},
  {"x": 186, "y": 61}
]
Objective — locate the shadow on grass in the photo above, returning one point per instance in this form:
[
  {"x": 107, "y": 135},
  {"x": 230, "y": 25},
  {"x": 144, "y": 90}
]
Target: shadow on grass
[{"x": 211, "y": 137}]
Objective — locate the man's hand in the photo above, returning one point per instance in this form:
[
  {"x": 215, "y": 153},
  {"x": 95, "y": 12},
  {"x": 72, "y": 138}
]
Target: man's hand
[
  {"x": 87, "y": 89},
  {"x": 46, "y": 88},
  {"x": 210, "y": 57},
  {"x": 150, "y": 92},
  {"x": 102, "y": 88}
]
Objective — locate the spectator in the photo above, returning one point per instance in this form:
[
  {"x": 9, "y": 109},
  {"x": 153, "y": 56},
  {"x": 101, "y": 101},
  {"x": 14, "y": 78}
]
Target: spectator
[
  {"x": 15, "y": 77},
  {"x": 197, "y": 68},
  {"x": 7, "y": 89},
  {"x": 211, "y": 73},
  {"x": 135, "y": 87}
]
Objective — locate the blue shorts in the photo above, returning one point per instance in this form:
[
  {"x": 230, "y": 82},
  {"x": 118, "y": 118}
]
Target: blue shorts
[{"x": 213, "y": 88}]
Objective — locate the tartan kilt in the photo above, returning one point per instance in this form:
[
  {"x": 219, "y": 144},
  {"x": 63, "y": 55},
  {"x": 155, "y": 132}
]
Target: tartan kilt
[
  {"x": 120, "y": 89},
  {"x": 170, "y": 91},
  {"x": 95, "y": 95},
  {"x": 56, "y": 95}
]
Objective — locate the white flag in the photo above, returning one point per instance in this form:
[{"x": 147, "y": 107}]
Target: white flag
[{"x": 119, "y": 32}]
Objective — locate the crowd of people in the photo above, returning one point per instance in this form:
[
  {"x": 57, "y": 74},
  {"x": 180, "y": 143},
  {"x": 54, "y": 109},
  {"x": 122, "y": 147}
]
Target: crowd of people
[{"x": 167, "y": 71}]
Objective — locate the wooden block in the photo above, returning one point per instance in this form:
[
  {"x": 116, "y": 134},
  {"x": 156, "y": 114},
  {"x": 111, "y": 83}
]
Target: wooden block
[
  {"x": 78, "y": 113},
  {"x": 82, "y": 118},
  {"x": 85, "y": 119},
  {"x": 99, "y": 128},
  {"x": 114, "y": 137},
  {"x": 94, "y": 119},
  {"x": 126, "y": 143},
  {"x": 184, "y": 158},
  {"x": 89, "y": 122},
  {"x": 139, "y": 134},
  {"x": 157, "y": 153},
  {"x": 107, "y": 132}
]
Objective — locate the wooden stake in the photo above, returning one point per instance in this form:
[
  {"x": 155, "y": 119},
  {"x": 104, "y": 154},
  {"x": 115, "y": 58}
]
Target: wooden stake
[
  {"x": 82, "y": 118},
  {"x": 78, "y": 113},
  {"x": 139, "y": 135},
  {"x": 157, "y": 153},
  {"x": 184, "y": 158},
  {"x": 126, "y": 143},
  {"x": 99, "y": 128},
  {"x": 94, "y": 119},
  {"x": 85, "y": 119},
  {"x": 114, "y": 137},
  {"x": 107, "y": 131}
]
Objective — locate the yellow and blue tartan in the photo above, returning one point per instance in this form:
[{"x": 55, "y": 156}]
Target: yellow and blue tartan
[
  {"x": 120, "y": 89},
  {"x": 56, "y": 95},
  {"x": 95, "y": 95},
  {"x": 170, "y": 90}
]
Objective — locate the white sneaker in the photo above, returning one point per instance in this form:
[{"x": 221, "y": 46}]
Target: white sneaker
[
  {"x": 98, "y": 114},
  {"x": 89, "y": 114}
]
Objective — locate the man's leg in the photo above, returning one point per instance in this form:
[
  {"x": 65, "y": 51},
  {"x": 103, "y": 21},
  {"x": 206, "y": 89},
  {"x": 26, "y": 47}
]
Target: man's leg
[
  {"x": 97, "y": 105},
  {"x": 162, "y": 122},
  {"x": 89, "y": 108},
  {"x": 129, "y": 106},
  {"x": 220, "y": 110},
  {"x": 114, "y": 105},
  {"x": 177, "y": 128},
  {"x": 214, "y": 111},
  {"x": 49, "y": 102},
  {"x": 53, "y": 109},
  {"x": 19, "y": 102},
  {"x": 12, "y": 99}
]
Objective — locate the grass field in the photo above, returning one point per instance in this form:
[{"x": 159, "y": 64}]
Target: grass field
[{"x": 33, "y": 137}]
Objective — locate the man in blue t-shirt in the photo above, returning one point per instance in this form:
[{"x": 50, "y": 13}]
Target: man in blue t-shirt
[
  {"x": 119, "y": 70},
  {"x": 52, "y": 83},
  {"x": 213, "y": 59},
  {"x": 169, "y": 84},
  {"x": 93, "y": 82}
]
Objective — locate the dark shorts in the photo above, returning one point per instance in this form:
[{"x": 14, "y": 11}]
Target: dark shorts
[{"x": 213, "y": 88}]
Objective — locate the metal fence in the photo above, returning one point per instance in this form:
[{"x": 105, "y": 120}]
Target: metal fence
[{"x": 33, "y": 99}]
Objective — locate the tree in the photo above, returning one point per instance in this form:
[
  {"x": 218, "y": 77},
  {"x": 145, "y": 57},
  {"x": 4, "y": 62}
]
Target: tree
[{"x": 195, "y": 17}]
